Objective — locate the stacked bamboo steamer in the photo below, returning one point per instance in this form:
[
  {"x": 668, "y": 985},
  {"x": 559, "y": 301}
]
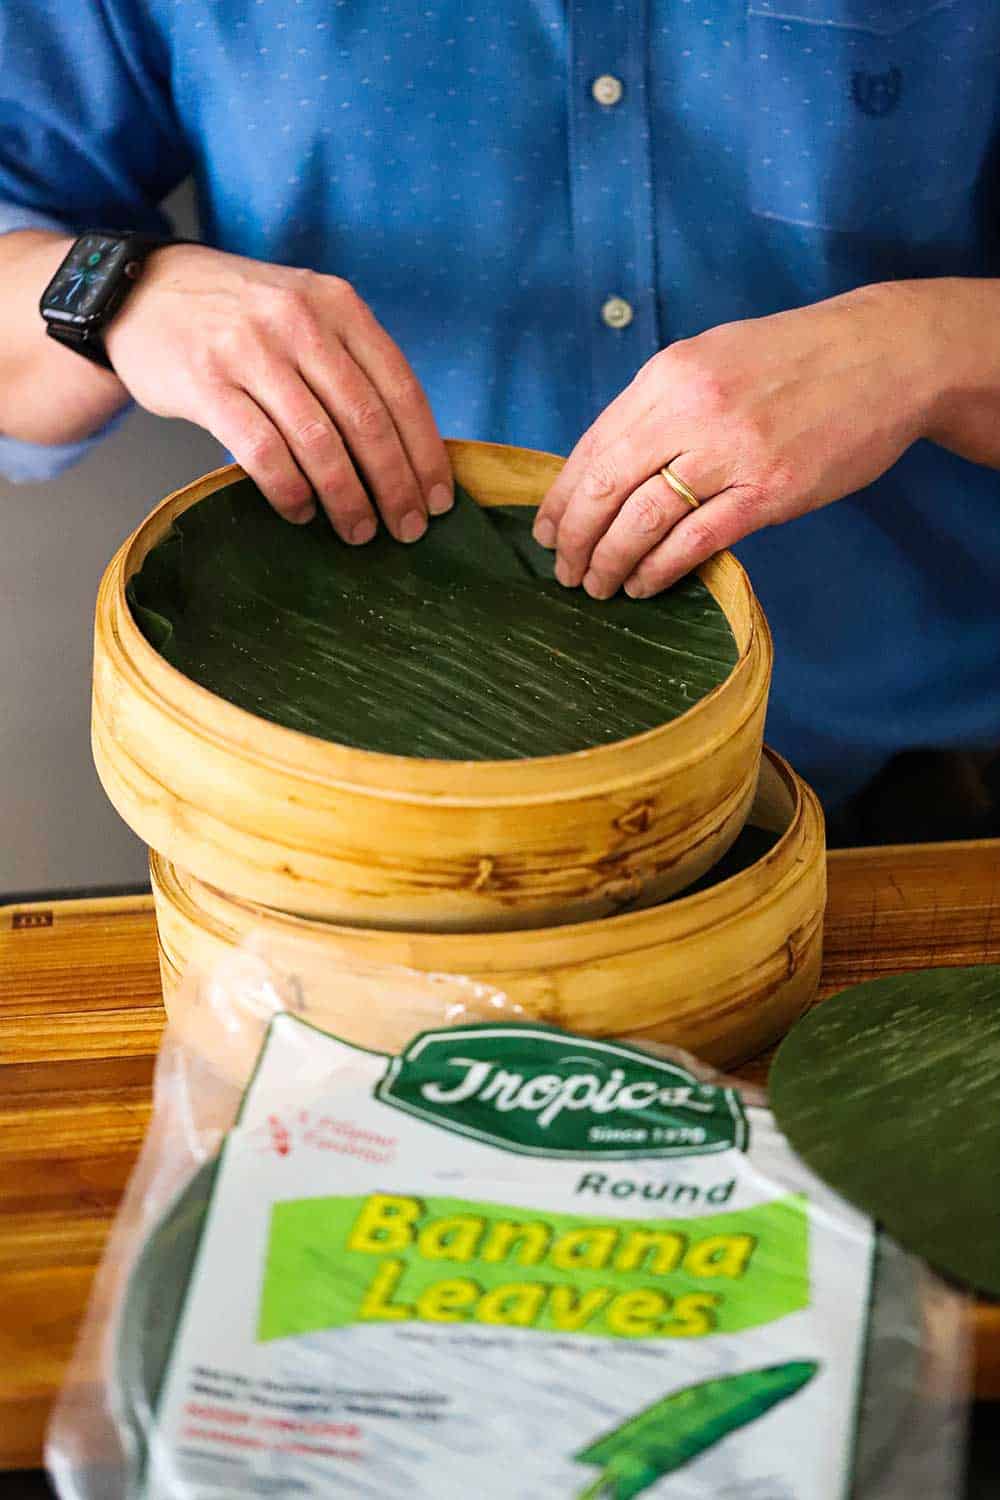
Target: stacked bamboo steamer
[{"x": 546, "y": 878}]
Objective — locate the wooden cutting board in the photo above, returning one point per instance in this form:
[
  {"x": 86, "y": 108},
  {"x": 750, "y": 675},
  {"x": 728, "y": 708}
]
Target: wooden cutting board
[{"x": 81, "y": 1015}]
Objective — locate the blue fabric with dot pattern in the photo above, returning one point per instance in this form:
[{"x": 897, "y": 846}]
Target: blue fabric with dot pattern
[{"x": 451, "y": 161}]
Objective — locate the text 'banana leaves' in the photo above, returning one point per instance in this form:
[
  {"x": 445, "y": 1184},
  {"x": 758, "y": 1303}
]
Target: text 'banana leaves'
[{"x": 461, "y": 646}]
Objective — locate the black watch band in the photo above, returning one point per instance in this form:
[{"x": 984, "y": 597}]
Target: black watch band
[
  {"x": 82, "y": 341},
  {"x": 85, "y": 335}
]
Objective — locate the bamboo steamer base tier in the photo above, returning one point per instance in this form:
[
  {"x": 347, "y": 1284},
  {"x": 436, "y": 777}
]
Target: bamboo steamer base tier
[
  {"x": 303, "y": 825},
  {"x": 723, "y": 973}
]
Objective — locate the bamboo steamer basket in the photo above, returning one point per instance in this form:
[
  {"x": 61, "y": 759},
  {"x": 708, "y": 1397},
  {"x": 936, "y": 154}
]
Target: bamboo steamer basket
[
  {"x": 303, "y": 825},
  {"x": 722, "y": 973}
]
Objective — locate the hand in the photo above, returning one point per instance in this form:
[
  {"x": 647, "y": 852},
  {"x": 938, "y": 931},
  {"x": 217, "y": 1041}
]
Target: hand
[
  {"x": 762, "y": 420},
  {"x": 293, "y": 374}
]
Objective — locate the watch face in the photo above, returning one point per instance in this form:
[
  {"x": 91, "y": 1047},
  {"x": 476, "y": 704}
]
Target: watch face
[{"x": 87, "y": 279}]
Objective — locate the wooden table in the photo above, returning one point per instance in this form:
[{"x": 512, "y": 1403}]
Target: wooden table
[{"x": 81, "y": 1015}]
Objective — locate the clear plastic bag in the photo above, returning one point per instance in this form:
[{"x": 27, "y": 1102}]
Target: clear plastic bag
[{"x": 224, "y": 1106}]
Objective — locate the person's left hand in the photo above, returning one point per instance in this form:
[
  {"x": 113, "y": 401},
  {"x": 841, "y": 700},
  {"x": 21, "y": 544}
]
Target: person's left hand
[{"x": 762, "y": 420}]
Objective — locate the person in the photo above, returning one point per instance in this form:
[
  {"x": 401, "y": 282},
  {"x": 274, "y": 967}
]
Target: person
[{"x": 737, "y": 260}]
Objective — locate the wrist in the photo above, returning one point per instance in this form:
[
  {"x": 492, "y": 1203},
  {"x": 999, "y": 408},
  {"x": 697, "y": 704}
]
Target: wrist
[
  {"x": 97, "y": 277},
  {"x": 930, "y": 366},
  {"x": 953, "y": 361},
  {"x": 132, "y": 316}
]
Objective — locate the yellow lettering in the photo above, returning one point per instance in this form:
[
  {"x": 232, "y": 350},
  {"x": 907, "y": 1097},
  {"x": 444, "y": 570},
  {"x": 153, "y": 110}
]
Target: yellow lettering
[
  {"x": 694, "y": 1316},
  {"x": 515, "y": 1305},
  {"x": 720, "y": 1255},
  {"x": 636, "y": 1315},
  {"x": 377, "y": 1301},
  {"x": 571, "y": 1312},
  {"x": 584, "y": 1249},
  {"x": 532, "y": 1239},
  {"x": 385, "y": 1223},
  {"x": 451, "y": 1239},
  {"x": 447, "y": 1301},
  {"x": 667, "y": 1247}
]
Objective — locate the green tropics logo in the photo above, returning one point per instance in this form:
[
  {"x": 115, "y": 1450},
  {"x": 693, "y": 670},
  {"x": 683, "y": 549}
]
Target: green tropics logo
[{"x": 543, "y": 1092}]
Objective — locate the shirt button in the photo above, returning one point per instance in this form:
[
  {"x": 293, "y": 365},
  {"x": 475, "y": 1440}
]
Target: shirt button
[
  {"x": 617, "y": 313},
  {"x": 607, "y": 89}
]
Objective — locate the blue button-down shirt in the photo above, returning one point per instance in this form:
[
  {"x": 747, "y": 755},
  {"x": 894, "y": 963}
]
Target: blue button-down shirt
[{"x": 451, "y": 159}]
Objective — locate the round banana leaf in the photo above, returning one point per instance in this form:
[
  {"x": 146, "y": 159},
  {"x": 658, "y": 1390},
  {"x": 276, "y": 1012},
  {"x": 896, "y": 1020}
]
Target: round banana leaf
[
  {"x": 889, "y": 1092},
  {"x": 461, "y": 646},
  {"x": 158, "y": 1286},
  {"x": 150, "y": 1315},
  {"x": 890, "y": 1382}
]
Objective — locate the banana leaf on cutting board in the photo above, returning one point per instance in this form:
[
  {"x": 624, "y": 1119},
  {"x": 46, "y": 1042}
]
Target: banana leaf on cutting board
[{"x": 889, "y": 1092}]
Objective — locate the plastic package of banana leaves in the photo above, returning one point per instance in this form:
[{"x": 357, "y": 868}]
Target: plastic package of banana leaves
[{"x": 510, "y": 1261}]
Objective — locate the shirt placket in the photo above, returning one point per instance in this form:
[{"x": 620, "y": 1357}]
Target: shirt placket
[{"x": 612, "y": 193}]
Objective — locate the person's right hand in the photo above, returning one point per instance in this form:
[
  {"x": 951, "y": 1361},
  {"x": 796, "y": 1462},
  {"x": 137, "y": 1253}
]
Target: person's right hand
[{"x": 294, "y": 375}]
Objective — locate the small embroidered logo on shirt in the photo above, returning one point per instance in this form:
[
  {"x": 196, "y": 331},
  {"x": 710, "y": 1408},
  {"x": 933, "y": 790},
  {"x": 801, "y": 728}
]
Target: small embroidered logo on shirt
[{"x": 877, "y": 93}]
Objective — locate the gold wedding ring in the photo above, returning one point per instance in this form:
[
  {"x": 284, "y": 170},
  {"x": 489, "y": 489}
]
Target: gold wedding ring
[{"x": 679, "y": 487}]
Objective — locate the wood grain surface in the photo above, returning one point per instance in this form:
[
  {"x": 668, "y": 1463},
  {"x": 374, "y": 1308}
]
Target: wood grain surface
[{"x": 81, "y": 1013}]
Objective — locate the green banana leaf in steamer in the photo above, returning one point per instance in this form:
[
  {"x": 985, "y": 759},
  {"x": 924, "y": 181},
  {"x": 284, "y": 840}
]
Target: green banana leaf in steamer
[{"x": 460, "y": 646}]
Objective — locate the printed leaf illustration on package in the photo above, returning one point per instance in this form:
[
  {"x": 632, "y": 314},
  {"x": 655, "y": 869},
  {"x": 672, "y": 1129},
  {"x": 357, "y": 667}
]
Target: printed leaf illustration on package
[{"x": 684, "y": 1424}]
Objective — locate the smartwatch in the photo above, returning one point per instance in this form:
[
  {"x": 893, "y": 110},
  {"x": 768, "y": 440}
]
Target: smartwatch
[{"x": 92, "y": 283}]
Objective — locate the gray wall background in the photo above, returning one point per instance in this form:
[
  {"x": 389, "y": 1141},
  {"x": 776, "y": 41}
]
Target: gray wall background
[{"x": 58, "y": 832}]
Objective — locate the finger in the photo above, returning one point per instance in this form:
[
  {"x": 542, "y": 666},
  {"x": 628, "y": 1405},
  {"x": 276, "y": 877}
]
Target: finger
[
  {"x": 390, "y": 372},
  {"x": 718, "y": 524},
  {"x": 643, "y": 521},
  {"x": 705, "y": 474},
  {"x": 610, "y": 477},
  {"x": 628, "y": 408},
  {"x": 369, "y": 432},
  {"x": 646, "y": 518},
  {"x": 317, "y": 448},
  {"x": 239, "y": 424}
]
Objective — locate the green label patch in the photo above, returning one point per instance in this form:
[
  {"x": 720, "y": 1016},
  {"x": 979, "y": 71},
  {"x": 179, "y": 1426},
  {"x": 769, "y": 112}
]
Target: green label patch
[
  {"x": 541, "y": 1092},
  {"x": 393, "y": 1257}
]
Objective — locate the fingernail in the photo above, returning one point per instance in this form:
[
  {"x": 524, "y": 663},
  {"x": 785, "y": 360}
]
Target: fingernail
[
  {"x": 563, "y": 574},
  {"x": 440, "y": 500},
  {"x": 304, "y": 516},
  {"x": 544, "y": 533},
  {"x": 412, "y": 526},
  {"x": 363, "y": 531},
  {"x": 636, "y": 589},
  {"x": 596, "y": 586}
]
